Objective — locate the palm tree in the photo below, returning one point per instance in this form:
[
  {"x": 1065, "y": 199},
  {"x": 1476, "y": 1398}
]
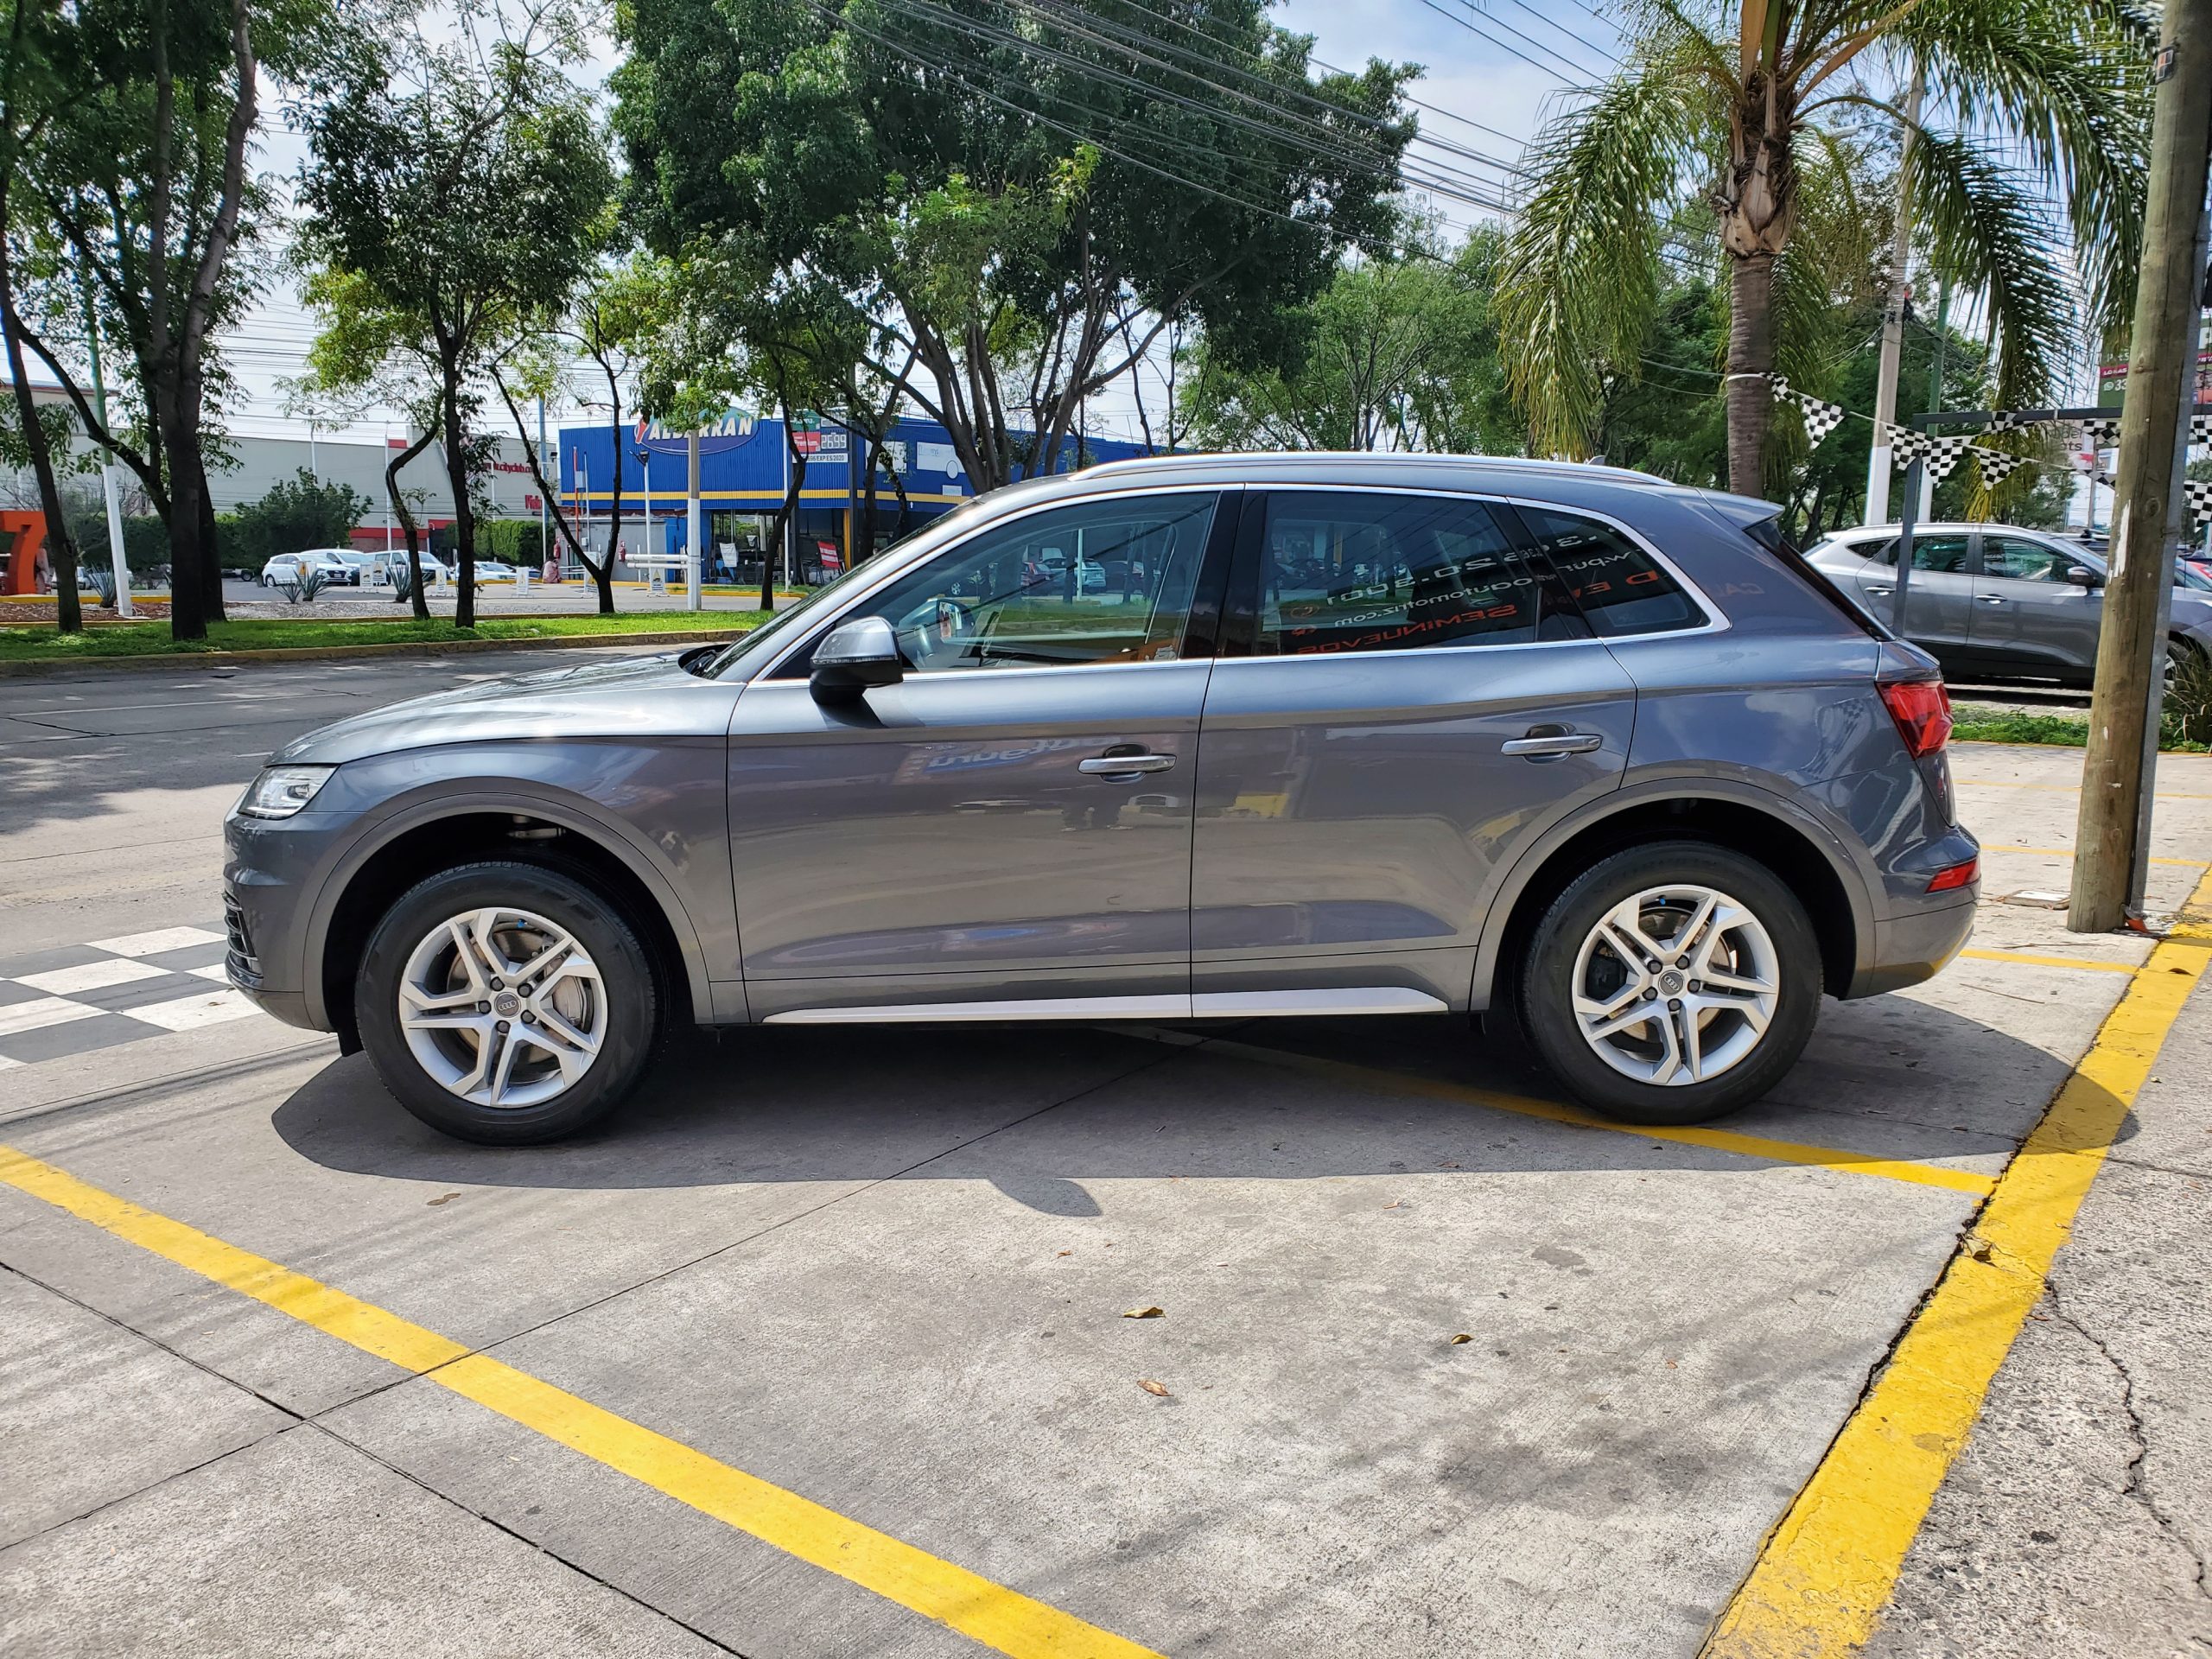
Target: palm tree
[{"x": 1760, "y": 109}]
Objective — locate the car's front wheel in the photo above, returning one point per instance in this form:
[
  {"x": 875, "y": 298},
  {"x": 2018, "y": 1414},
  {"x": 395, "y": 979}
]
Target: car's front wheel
[
  {"x": 1671, "y": 983},
  {"x": 507, "y": 1003}
]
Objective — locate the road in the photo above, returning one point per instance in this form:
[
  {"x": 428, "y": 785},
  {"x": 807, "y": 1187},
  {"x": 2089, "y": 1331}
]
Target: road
[{"x": 823, "y": 1348}]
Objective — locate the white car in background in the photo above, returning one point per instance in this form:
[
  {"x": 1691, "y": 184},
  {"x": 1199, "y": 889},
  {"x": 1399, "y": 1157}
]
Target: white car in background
[{"x": 293, "y": 567}]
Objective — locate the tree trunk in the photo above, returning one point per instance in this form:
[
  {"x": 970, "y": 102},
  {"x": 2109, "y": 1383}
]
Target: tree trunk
[
  {"x": 778, "y": 529},
  {"x": 391, "y": 471},
  {"x": 464, "y": 515},
  {"x": 189, "y": 552},
  {"x": 1750, "y": 358},
  {"x": 60, "y": 552},
  {"x": 865, "y": 543},
  {"x": 211, "y": 565},
  {"x": 602, "y": 572}
]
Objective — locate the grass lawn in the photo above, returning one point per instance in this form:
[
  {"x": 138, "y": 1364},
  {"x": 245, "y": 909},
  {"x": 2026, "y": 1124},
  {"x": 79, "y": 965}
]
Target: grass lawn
[
  {"x": 1973, "y": 723},
  {"x": 37, "y": 645}
]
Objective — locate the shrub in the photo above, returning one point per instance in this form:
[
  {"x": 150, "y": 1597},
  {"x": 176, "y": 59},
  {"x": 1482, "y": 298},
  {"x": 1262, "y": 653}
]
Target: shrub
[
  {"x": 102, "y": 577},
  {"x": 302, "y": 514},
  {"x": 2188, "y": 695},
  {"x": 302, "y": 588}
]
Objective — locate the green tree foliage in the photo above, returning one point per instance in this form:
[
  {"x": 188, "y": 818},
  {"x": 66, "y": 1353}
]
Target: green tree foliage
[
  {"x": 1015, "y": 199},
  {"x": 1394, "y": 354},
  {"x": 1742, "y": 106},
  {"x": 453, "y": 194},
  {"x": 146, "y": 211},
  {"x": 300, "y": 512}
]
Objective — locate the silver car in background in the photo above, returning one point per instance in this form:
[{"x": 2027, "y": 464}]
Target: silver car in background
[
  {"x": 1993, "y": 602},
  {"x": 1596, "y": 757}
]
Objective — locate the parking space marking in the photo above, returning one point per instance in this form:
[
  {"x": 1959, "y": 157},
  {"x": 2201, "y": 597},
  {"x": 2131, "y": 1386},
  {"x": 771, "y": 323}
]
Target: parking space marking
[
  {"x": 2061, "y": 788},
  {"x": 1825, "y": 1572},
  {"x": 2092, "y": 964},
  {"x": 985, "y": 1611},
  {"x": 1748, "y": 1146},
  {"x": 2062, "y": 852}
]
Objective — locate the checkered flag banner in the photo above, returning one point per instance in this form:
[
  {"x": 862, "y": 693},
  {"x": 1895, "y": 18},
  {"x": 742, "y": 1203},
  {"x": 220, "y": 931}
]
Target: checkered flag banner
[
  {"x": 2199, "y": 429},
  {"x": 1942, "y": 454},
  {"x": 1820, "y": 418},
  {"x": 1997, "y": 464},
  {"x": 2199, "y": 491},
  {"x": 2104, "y": 431}
]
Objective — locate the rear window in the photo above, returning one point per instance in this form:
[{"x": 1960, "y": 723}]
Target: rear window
[{"x": 1621, "y": 589}]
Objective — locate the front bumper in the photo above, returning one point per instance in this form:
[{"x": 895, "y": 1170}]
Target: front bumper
[{"x": 271, "y": 870}]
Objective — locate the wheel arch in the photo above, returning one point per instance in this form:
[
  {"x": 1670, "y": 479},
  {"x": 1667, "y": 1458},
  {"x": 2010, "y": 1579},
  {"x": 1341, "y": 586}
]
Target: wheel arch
[
  {"x": 407, "y": 846},
  {"x": 1762, "y": 826}
]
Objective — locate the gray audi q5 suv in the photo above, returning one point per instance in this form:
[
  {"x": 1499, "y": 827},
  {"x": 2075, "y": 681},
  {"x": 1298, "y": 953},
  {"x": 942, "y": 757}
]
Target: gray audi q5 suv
[{"x": 1202, "y": 738}]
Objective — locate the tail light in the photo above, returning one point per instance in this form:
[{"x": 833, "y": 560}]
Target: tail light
[
  {"x": 1922, "y": 709},
  {"x": 1957, "y": 876}
]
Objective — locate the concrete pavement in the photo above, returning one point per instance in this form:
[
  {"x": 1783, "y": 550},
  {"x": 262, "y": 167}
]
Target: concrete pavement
[{"x": 887, "y": 1272}]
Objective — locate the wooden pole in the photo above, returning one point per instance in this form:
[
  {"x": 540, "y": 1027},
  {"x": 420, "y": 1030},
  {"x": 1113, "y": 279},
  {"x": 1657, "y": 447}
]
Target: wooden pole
[{"x": 2161, "y": 354}]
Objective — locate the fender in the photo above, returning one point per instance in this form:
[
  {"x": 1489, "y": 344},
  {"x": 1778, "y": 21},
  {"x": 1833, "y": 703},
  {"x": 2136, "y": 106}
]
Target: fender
[
  {"x": 570, "y": 812},
  {"x": 1855, "y": 880}
]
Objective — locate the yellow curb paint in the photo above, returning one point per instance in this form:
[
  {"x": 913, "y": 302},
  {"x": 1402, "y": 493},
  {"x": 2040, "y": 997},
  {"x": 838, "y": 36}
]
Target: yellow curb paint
[
  {"x": 2089, "y": 964},
  {"x": 2061, "y": 852},
  {"x": 985, "y": 1611},
  {"x": 1825, "y": 1572},
  {"x": 1748, "y": 1146}
]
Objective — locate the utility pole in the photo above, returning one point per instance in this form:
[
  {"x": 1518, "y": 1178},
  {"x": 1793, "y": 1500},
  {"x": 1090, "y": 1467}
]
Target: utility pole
[
  {"x": 115, "y": 553},
  {"x": 693, "y": 530},
  {"x": 1936, "y": 399},
  {"x": 2162, "y": 366},
  {"x": 1885, "y": 379},
  {"x": 545, "y": 506}
]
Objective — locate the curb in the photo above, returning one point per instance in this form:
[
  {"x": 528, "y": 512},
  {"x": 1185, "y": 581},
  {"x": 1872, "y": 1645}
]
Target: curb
[{"x": 394, "y": 648}]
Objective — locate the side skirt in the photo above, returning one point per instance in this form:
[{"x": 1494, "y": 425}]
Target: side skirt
[{"x": 1206, "y": 1005}]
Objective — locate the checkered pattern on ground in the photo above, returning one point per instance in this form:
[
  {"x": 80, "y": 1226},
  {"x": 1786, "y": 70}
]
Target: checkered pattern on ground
[{"x": 76, "y": 998}]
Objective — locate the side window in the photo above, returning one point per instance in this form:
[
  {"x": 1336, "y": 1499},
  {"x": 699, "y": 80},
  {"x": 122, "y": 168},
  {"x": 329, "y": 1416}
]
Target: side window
[
  {"x": 1351, "y": 570},
  {"x": 1621, "y": 589},
  {"x": 1095, "y": 582},
  {"x": 1944, "y": 555},
  {"x": 2017, "y": 561}
]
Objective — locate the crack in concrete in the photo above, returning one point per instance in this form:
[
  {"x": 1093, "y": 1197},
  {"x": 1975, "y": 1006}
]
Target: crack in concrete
[{"x": 2137, "y": 1485}]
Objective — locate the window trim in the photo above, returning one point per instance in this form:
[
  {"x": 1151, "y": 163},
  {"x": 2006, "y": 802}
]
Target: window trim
[
  {"x": 1228, "y": 496},
  {"x": 1240, "y": 619}
]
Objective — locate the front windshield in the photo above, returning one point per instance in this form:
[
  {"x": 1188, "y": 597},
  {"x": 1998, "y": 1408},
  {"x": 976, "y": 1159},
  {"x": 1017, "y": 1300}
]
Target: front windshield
[{"x": 763, "y": 638}]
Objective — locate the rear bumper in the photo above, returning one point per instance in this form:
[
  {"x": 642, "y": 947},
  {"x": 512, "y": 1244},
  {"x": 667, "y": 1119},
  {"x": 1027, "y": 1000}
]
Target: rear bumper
[{"x": 1917, "y": 946}]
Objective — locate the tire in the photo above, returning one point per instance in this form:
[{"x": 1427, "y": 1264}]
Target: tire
[
  {"x": 603, "y": 1017},
  {"x": 1749, "y": 1031}
]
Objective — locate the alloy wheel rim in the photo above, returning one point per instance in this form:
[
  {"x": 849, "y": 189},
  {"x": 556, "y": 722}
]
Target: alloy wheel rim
[
  {"x": 502, "y": 1007},
  {"x": 1676, "y": 985}
]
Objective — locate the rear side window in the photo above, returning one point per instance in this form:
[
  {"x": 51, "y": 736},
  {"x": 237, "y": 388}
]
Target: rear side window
[
  {"x": 1356, "y": 571},
  {"x": 1621, "y": 589}
]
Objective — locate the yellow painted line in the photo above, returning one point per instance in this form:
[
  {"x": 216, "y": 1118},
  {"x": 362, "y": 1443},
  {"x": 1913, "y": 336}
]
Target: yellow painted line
[
  {"x": 989, "y": 1613},
  {"x": 2062, "y": 788},
  {"x": 2062, "y": 852},
  {"x": 1827, "y": 1570},
  {"x": 2090, "y": 963},
  {"x": 1749, "y": 1146}
]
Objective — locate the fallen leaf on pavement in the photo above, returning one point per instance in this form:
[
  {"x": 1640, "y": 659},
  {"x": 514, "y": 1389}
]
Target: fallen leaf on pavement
[
  {"x": 1151, "y": 1387},
  {"x": 447, "y": 1198},
  {"x": 1146, "y": 1314},
  {"x": 1462, "y": 1336}
]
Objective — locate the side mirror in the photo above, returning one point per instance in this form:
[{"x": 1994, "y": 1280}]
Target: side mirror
[
  {"x": 854, "y": 656},
  {"x": 2080, "y": 576}
]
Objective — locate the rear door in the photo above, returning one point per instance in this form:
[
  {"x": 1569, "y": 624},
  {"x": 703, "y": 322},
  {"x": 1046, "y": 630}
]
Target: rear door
[
  {"x": 2028, "y": 619},
  {"x": 1409, "y": 692}
]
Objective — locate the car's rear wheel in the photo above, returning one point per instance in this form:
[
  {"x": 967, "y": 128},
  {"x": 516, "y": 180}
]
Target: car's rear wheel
[
  {"x": 507, "y": 1003},
  {"x": 1671, "y": 983}
]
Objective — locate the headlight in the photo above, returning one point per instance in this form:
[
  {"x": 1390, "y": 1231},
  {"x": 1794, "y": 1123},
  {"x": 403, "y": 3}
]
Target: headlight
[{"x": 282, "y": 791}]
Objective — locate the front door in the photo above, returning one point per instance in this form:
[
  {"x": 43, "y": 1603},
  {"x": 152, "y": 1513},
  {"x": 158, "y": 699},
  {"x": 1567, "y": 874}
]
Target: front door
[
  {"x": 1415, "y": 692},
  {"x": 967, "y": 834},
  {"x": 2028, "y": 619},
  {"x": 1939, "y": 600}
]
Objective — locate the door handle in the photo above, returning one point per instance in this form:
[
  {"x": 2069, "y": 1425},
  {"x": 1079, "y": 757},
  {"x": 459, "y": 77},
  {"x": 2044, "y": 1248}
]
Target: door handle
[
  {"x": 1881, "y": 592},
  {"x": 1555, "y": 743},
  {"x": 1992, "y": 599},
  {"x": 1122, "y": 766}
]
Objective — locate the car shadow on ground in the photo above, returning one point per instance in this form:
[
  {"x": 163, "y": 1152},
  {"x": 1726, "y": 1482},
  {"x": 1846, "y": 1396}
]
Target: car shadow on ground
[{"x": 1037, "y": 1112}]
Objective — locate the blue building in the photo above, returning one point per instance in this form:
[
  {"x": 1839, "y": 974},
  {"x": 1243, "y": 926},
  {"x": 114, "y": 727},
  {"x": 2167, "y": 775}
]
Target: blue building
[{"x": 741, "y": 483}]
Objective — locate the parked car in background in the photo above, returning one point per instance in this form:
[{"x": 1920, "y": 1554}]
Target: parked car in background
[
  {"x": 385, "y": 563},
  {"x": 1596, "y": 755},
  {"x": 361, "y": 562},
  {"x": 494, "y": 570},
  {"x": 1993, "y": 601},
  {"x": 292, "y": 566}
]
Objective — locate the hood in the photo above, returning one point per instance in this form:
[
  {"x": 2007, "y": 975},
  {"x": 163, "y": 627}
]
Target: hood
[{"x": 625, "y": 698}]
